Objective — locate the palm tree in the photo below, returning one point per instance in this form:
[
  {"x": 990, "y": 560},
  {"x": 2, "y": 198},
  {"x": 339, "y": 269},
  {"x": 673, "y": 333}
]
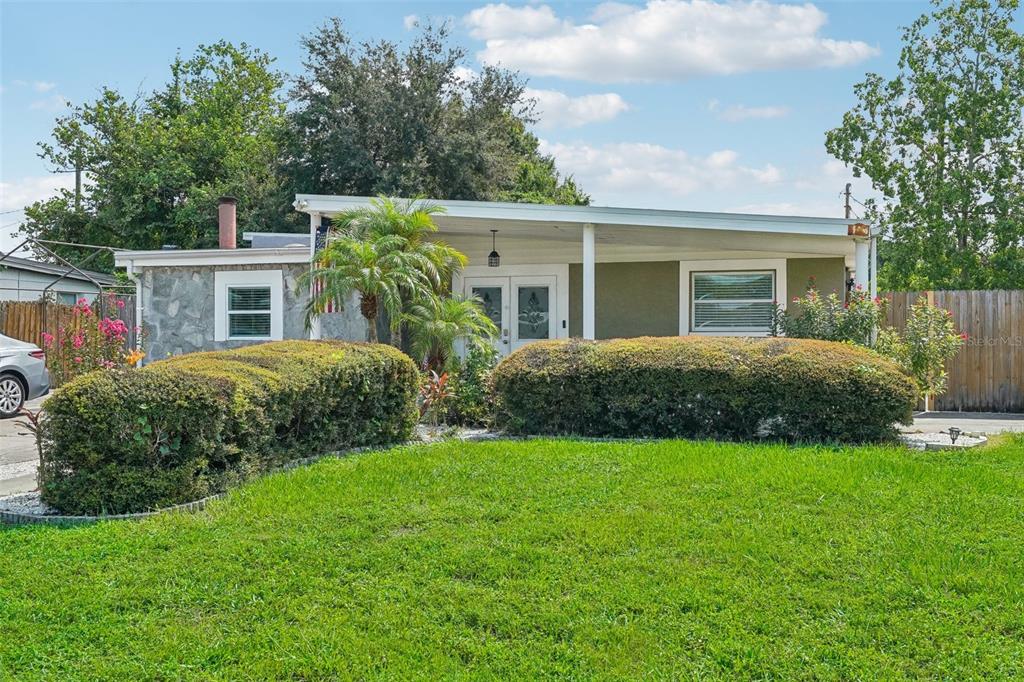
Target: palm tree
[
  {"x": 376, "y": 267},
  {"x": 436, "y": 323},
  {"x": 408, "y": 224}
]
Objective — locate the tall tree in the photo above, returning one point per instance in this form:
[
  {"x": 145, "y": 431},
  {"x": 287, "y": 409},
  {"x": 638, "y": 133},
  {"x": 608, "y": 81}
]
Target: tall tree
[
  {"x": 155, "y": 165},
  {"x": 374, "y": 119},
  {"x": 943, "y": 142}
]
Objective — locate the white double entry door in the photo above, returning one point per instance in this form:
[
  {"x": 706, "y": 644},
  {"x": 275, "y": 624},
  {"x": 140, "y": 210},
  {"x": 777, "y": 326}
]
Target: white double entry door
[{"x": 526, "y": 303}]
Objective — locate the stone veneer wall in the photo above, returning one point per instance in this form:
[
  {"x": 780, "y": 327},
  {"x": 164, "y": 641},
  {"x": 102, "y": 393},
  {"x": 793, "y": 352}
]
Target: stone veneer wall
[{"x": 178, "y": 309}]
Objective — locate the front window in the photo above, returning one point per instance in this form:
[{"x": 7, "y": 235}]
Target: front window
[
  {"x": 248, "y": 305},
  {"x": 249, "y": 312},
  {"x": 732, "y": 302}
]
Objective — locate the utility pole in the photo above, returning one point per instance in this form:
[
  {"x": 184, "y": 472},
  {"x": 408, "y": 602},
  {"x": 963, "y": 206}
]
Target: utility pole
[{"x": 846, "y": 204}]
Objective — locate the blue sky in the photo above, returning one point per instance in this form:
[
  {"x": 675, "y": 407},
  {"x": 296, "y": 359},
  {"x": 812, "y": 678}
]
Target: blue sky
[{"x": 685, "y": 104}]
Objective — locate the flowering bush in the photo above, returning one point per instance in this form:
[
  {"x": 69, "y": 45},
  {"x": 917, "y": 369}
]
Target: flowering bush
[
  {"x": 85, "y": 342},
  {"x": 929, "y": 340},
  {"x": 831, "y": 319}
]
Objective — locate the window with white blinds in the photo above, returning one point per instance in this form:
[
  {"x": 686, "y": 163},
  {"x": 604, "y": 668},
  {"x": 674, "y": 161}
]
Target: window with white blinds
[
  {"x": 249, "y": 312},
  {"x": 733, "y": 302}
]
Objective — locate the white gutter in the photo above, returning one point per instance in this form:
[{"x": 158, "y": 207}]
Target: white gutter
[
  {"x": 130, "y": 271},
  {"x": 175, "y": 258}
]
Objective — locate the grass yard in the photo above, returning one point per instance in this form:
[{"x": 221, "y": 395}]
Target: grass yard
[{"x": 546, "y": 558}]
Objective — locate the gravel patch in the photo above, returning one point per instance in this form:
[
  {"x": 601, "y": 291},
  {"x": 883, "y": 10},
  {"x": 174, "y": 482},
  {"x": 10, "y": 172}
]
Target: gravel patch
[
  {"x": 942, "y": 441},
  {"x": 26, "y": 503}
]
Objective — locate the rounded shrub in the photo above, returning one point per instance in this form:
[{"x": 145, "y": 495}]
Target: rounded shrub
[
  {"x": 183, "y": 428},
  {"x": 702, "y": 387}
]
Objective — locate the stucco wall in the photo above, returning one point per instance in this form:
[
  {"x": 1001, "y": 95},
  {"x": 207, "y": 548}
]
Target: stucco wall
[
  {"x": 178, "y": 310},
  {"x": 829, "y": 275},
  {"x": 631, "y": 299}
]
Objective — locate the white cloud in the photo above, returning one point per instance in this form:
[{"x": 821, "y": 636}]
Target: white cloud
[
  {"x": 28, "y": 190},
  {"x": 741, "y": 112},
  {"x": 43, "y": 86},
  {"x": 54, "y": 102},
  {"x": 464, "y": 73},
  {"x": 499, "y": 21},
  {"x": 557, "y": 110},
  {"x": 15, "y": 196},
  {"x": 410, "y": 21},
  {"x": 639, "y": 168},
  {"x": 666, "y": 40}
]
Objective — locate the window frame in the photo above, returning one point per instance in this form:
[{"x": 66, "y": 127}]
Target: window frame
[
  {"x": 225, "y": 280},
  {"x": 739, "y": 330},
  {"x": 686, "y": 289},
  {"x": 269, "y": 312}
]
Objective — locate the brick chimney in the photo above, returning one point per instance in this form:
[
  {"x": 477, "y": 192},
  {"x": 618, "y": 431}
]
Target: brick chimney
[{"x": 226, "y": 222}]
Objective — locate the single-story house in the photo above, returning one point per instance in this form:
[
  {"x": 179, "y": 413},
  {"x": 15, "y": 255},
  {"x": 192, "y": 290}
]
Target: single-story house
[
  {"x": 22, "y": 279},
  {"x": 542, "y": 272}
]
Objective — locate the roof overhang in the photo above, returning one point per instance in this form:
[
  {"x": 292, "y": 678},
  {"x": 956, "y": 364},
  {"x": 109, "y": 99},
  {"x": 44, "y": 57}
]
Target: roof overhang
[
  {"x": 509, "y": 215},
  {"x": 175, "y": 258}
]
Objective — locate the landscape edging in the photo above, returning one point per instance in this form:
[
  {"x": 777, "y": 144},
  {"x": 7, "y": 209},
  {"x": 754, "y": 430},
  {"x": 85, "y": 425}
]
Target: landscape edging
[{"x": 9, "y": 518}]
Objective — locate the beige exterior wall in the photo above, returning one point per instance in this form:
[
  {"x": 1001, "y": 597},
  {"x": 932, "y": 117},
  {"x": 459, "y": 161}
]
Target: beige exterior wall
[
  {"x": 829, "y": 275},
  {"x": 642, "y": 299},
  {"x": 631, "y": 299}
]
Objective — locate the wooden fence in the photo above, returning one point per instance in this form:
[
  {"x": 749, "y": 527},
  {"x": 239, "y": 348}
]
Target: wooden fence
[
  {"x": 28, "y": 320},
  {"x": 987, "y": 375}
]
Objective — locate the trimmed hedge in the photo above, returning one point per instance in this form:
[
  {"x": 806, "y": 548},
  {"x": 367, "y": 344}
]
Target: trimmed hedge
[
  {"x": 703, "y": 387},
  {"x": 184, "y": 428}
]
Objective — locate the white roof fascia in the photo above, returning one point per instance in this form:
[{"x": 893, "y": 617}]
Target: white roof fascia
[
  {"x": 185, "y": 257},
  {"x": 599, "y": 215}
]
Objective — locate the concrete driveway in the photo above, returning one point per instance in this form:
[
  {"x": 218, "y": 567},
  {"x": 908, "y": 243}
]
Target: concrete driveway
[
  {"x": 18, "y": 456},
  {"x": 986, "y": 423}
]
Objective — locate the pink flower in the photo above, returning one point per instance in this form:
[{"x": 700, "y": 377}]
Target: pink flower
[
  {"x": 120, "y": 304},
  {"x": 859, "y": 287},
  {"x": 78, "y": 340},
  {"x": 963, "y": 336},
  {"x": 47, "y": 339},
  {"x": 78, "y": 359},
  {"x": 83, "y": 302}
]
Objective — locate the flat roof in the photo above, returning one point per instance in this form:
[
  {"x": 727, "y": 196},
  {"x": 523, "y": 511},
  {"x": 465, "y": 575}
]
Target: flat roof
[{"x": 597, "y": 215}]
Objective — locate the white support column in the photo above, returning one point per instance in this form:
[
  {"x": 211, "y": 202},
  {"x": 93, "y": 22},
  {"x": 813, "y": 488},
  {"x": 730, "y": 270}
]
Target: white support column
[
  {"x": 861, "y": 264},
  {"x": 315, "y": 328},
  {"x": 874, "y": 267},
  {"x": 589, "y": 253}
]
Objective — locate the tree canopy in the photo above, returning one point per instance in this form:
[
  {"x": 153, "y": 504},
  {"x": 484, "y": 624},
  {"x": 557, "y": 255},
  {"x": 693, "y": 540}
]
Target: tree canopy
[
  {"x": 373, "y": 119},
  {"x": 155, "y": 165},
  {"x": 943, "y": 142},
  {"x": 367, "y": 119}
]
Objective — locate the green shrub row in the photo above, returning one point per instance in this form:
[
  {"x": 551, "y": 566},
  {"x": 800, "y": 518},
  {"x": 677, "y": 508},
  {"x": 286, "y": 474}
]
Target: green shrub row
[
  {"x": 703, "y": 387},
  {"x": 183, "y": 428}
]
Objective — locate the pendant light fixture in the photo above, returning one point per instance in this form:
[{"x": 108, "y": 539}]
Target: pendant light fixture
[{"x": 493, "y": 259}]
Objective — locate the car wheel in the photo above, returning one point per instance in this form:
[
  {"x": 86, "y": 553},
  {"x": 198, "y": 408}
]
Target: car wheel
[{"x": 12, "y": 396}]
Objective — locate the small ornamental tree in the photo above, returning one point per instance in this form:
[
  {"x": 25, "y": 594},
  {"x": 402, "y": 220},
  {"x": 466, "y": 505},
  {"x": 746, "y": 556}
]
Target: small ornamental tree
[
  {"x": 86, "y": 342},
  {"x": 929, "y": 341},
  {"x": 829, "y": 318}
]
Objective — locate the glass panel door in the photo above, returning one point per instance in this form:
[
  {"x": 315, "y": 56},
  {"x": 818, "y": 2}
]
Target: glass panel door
[
  {"x": 533, "y": 309},
  {"x": 493, "y": 295}
]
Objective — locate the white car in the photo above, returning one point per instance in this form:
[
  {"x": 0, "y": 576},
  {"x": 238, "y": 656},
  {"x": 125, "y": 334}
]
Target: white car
[{"x": 23, "y": 375}]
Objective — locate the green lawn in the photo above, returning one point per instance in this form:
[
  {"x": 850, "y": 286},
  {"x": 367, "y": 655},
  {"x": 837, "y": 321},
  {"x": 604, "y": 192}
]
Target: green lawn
[{"x": 546, "y": 558}]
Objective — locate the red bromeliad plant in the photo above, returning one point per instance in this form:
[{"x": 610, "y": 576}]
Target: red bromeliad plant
[{"x": 86, "y": 342}]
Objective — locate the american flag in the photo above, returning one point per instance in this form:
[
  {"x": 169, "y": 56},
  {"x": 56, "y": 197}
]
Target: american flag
[{"x": 320, "y": 241}]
